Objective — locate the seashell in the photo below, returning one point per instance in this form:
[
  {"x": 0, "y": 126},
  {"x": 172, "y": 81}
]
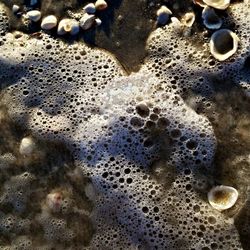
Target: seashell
[
  {"x": 90, "y": 8},
  {"x": 222, "y": 197},
  {"x": 217, "y": 4},
  {"x": 223, "y": 44},
  {"x": 34, "y": 15},
  {"x": 210, "y": 19},
  {"x": 68, "y": 26},
  {"x": 98, "y": 21},
  {"x": 15, "y": 8},
  {"x": 163, "y": 15},
  {"x": 87, "y": 21},
  {"x": 49, "y": 22},
  {"x": 101, "y": 5},
  {"x": 188, "y": 19},
  {"x": 27, "y": 146}
]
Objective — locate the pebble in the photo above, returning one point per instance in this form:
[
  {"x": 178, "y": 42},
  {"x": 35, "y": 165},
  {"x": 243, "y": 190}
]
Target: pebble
[
  {"x": 101, "y": 5},
  {"x": 87, "y": 21},
  {"x": 98, "y": 21},
  {"x": 163, "y": 15},
  {"x": 27, "y": 146},
  {"x": 15, "y": 8},
  {"x": 49, "y": 22},
  {"x": 34, "y": 15},
  {"x": 90, "y": 8}
]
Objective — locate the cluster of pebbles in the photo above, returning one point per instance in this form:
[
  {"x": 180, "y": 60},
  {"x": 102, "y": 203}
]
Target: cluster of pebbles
[
  {"x": 224, "y": 42},
  {"x": 66, "y": 25}
]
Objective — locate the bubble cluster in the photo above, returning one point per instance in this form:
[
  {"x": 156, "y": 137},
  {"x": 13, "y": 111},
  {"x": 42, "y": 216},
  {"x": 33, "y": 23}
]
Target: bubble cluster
[
  {"x": 4, "y": 22},
  {"x": 181, "y": 55},
  {"x": 40, "y": 202},
  {"x": 146, "y": 150}
]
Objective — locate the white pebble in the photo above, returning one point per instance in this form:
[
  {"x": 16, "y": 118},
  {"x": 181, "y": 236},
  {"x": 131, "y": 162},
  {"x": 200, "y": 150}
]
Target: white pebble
[
  {"x": 101, "y": 5},
  {"x": 34, "y": 15},
  {"x": 27, "y": 146},
  {"x": 98, "y": 21},
  {"x": 87, "y": 21},
  {"x": 49, "y": 22},
  {"x": 90, "y": 8},
  {"x": 15, "y": 8}
]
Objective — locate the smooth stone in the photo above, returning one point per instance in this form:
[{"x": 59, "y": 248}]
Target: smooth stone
[
  {"x": 98, "y": 21},
  {"x": 27, "y": 146},
  {"x": 101, "y": 5},
  {"x": 90, "y": 8},
  {"x": 34, "y": 15},
  {"x": 15, "y": 8},
  {"x": 87, "y": 21},
  {"x": 49, "y": 22}
]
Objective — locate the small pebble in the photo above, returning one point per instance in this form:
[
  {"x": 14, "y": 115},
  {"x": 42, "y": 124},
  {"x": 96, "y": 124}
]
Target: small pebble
[
  {"x": 101, "y": 5},
  {"x": 87, "y": 21},
  {"x": 27, "y": 146},
  {"x": 34, "y": 15},
  {"x": 90, "y": 8},
  {"x": 49, "y": 22},
  {"x": 15, "y": 8},
  {"x": 163, "y": 15},
  {"x": 98, "y": 21}
]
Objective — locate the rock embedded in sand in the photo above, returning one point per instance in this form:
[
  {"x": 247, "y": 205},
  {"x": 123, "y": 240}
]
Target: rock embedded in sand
[
  {"x": 34, "y": 15},
  {"x": 87, "y": 21},
  {"x": 49, "y": 22}
]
